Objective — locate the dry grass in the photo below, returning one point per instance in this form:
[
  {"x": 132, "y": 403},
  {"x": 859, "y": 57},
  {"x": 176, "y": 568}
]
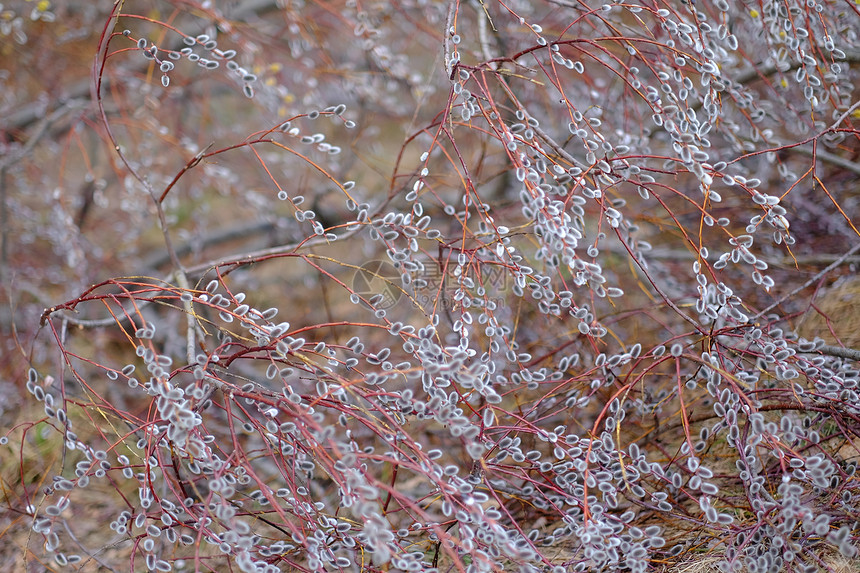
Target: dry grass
[
  {"x": 833, "y": 563},
  {"x": 835, "y": 314}
]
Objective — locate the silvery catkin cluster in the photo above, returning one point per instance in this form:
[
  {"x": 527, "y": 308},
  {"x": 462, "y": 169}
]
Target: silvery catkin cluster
[{"x": 462, "y": 286}]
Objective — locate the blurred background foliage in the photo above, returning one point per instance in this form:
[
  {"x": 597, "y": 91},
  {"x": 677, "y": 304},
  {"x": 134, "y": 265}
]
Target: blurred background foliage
[{"x": 75, "y": 213}]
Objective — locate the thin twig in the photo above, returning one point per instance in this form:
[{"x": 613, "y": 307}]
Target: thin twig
[
  {"x": 236, "y": 260},
  {"x": 221, "y": 236},
  {"x": 248, "y": 258},
  {"x": 685, "y": 254},
  {"x": 446, "y": 37},
  {"x": 483, "y": 35},
  {"x": 829, "y": 158},
  {"x": 839, "y": 351}
]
